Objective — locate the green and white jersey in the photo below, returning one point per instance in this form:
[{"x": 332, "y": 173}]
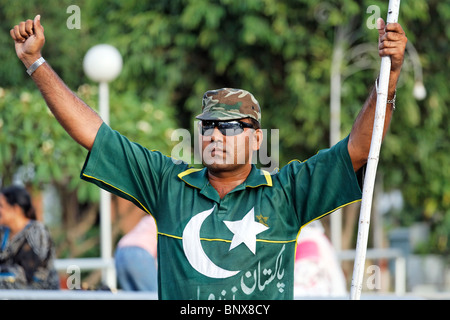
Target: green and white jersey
[{"x": 239, "y": 247}]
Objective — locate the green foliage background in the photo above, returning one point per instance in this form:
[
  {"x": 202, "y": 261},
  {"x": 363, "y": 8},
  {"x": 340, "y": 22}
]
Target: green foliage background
[{"x": 280, "y": 50}]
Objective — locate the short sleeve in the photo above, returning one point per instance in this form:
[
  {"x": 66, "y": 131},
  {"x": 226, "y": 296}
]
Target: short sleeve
[
  {"x": 125, "y": 168},
  {"x": 323, "y": 183}
]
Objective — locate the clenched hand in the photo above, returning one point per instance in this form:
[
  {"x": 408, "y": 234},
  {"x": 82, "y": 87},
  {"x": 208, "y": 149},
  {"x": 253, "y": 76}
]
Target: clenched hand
[{"x": 29, "y": 39}]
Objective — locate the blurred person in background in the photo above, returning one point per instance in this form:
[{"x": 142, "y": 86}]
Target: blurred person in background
[
  {"x": 26, "y": 247},
  {"x": 135, "y": 257},
  {"x": 317, "y": 271}
]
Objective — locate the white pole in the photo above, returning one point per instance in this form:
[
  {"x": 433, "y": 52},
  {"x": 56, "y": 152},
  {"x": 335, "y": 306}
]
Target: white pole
[
  {"x": 103, "y": 101},
  {"x": 372, "y": 162},
  {"x": 103, "y": 63},
  {"x": 335, "y": 127},
  {"x": 108, "y": 275}
]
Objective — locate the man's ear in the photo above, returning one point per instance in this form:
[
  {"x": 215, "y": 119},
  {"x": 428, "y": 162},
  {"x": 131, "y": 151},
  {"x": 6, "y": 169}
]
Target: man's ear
[{"x": 257, "y": 142}]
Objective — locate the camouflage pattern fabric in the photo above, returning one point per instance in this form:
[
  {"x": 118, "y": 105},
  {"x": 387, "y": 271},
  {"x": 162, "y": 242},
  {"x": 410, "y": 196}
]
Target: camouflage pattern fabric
[{"x": 229, "y": 104}]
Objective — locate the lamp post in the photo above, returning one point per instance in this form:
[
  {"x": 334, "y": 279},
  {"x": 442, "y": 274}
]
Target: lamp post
[
  {"x": 335, "y": 124},
  {"x": 419, "y": 91},
  {"x": 103, "y": 63}
]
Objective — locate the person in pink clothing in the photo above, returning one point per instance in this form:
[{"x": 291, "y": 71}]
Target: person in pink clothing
[
  {"x": 317, "y": 270},
  {"x": 135, "y": 257}
]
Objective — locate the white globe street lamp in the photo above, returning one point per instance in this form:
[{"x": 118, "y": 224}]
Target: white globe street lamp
[
  {"x": 103, "y": 63},
  {"x": 419, "y": 90}
]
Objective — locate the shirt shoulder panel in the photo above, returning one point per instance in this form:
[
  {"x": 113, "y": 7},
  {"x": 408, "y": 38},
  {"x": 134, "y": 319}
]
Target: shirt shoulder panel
[
  {"x": 129, "y": 170},
  {"x": 321, "y": 184}
]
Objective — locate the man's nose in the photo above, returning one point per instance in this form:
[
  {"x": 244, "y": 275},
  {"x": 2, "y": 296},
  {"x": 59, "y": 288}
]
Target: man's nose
[{"x": 216, "y": 135}]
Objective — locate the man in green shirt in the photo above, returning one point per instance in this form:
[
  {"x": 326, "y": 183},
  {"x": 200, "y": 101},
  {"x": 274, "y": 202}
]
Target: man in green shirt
[{"x": 229, "y": 230}]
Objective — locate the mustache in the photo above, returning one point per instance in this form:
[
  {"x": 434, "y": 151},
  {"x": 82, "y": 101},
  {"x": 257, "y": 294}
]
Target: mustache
[{"x": 215, "y": 145}]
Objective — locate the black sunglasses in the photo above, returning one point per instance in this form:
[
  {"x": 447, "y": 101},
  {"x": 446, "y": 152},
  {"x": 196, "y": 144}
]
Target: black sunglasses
[{"x": 227, "y": 128}]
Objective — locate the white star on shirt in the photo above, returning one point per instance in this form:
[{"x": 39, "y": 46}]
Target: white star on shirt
[{"x": 245, "y": 231}]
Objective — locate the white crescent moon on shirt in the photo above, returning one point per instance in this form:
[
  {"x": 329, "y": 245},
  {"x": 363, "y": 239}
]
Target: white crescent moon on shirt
[{"x": 194, "y": 252}]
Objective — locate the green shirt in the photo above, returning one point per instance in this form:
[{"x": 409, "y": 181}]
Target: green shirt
[{"x": 239, "y": 247}]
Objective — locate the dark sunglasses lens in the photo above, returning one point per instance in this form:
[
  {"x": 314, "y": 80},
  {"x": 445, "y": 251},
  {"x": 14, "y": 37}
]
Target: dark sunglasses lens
[
  {"x": 231, "y": 128},
  {"x": 207, "y": 129}
]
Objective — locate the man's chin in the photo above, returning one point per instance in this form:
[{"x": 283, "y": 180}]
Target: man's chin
[
  {"x": 222, "y": 167},
  {"x": 219, "y": 166}
]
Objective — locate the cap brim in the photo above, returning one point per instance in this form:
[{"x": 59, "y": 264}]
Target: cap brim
[{"x": 225, "y": 116}]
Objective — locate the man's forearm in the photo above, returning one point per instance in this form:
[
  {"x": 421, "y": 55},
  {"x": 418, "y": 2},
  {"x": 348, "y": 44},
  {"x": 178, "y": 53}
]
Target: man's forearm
[
  {"x": 76, "y": 117},
  {"x": 361, "y": 134},
  {"x": 391, "y": 42}
]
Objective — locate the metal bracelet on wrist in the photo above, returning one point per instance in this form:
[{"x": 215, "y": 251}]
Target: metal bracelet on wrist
[
  {"x": 390, "y": 101},
  {"x": 35, "y": 65}
]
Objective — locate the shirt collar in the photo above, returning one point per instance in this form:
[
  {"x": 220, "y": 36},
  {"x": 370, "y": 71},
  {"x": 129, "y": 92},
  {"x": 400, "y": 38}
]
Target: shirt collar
[{"x": 198, "y": 178}]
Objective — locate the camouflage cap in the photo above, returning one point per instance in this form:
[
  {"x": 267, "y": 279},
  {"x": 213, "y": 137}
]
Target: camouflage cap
[{"x": 229, "y": 104}]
